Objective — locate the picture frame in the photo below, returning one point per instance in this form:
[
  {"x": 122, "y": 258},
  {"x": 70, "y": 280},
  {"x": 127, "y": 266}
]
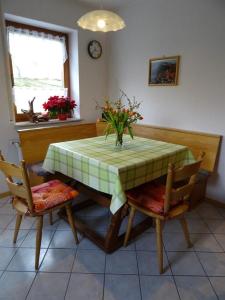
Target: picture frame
[{"x": 164, "y": 71}]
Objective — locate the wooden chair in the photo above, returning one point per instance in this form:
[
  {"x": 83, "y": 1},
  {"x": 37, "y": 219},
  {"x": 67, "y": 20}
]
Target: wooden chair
[
  {"x": 164, "y": 202},
  {"x": 36, "y": 201}
]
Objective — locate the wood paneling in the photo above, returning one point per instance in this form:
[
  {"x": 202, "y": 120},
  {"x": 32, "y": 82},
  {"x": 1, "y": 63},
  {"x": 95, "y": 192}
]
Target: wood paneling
[
  {"x": 196, "y": 141},
  {"x": 34, "y": 142}
]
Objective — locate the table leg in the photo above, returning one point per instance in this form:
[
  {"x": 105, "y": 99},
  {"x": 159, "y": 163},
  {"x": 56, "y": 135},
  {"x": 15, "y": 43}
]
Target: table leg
[{"x": 113, "y": 239}]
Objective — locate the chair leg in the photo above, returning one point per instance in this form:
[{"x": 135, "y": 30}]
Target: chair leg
[
  {"x": 159, "y": 244},
  {"x": 71, "y": 222},
  {"x": 129, "y": 226},
  {"x": 184, "y": 225},
  {"x": 38, "y": 240},
  {"x": 50, "y": 218},
  {"x": 17, "y": 227}
]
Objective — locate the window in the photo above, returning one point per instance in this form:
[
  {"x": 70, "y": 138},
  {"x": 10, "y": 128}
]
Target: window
[{"x": 39, "y": 65}]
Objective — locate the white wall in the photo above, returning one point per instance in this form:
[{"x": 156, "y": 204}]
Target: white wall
[
  {"x": 194, "y": 30},
  {"x": 92, "y": 73},
  {"x": 7, "y": 131}
]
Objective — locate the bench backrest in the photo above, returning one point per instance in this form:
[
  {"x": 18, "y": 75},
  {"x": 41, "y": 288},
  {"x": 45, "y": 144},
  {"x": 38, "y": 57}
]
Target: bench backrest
[
  {"x": 196, "y": 141},
  {"x": 34, "y": 142}
]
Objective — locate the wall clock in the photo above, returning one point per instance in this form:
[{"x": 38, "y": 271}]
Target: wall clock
[{"x": 94, "y": 49}]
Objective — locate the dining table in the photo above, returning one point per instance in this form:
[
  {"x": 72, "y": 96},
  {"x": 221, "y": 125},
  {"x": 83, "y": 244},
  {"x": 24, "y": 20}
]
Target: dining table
[{"x": 105, "y": 172}]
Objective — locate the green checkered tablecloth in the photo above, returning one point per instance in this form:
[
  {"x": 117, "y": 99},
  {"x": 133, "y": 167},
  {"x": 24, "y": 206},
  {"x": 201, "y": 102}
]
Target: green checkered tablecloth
[{"x": 97, "y": 163}]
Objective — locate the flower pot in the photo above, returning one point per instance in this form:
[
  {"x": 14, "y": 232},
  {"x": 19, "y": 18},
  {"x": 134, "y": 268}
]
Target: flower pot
[
  {"x": 62, "y": 117},
  {"x": 53, "y": 114}
]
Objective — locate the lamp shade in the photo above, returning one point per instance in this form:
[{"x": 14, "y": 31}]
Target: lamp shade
[{"x": 101, "y": 20}]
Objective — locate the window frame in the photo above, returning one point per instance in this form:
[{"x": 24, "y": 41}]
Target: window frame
[{"x": 20, "y": 117}]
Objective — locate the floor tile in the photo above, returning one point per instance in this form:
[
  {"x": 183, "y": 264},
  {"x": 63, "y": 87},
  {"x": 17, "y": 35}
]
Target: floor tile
[
  {"x": 46, "y": 224},
  {"x": 146, "y": 242},
  {"x": 30, "y": 240},
  {"x": 86, "y": 244},
  {"x": 7, "y": 209},
  {"x": 123, "y": 227},
  {"x": 26, "y": 223},
  {"x": 20, "y": 281},
  {"x": 5, "y": 201},
  {"x": 99, "y": 223},
  {"x": 185, "y": 263},
  {"x": 49, "y": 286},
  {"x": 63, "y": 225},
  {"x": 6, "y": 238},
  {"x": 172, "y": 226},
  {"x": 58, "y": 260},
  {"x": 121, "y": 262},
  {"x": 120, "y": 287},
  {"x": 221, "y": 239},
  {"x": 85, "y": 286},
  {"x": 208, "y": 211},
  {"x": 197, "y": 226},
  {"x": 5, "y": 220},
  {"x": 6, "y": 254},
  {"x": 175, "y": 242},
  {"x": 129, "y": 247},
  {"x": 158, "y": 288},
  {"x": 213, "y": 263},
  {"x": 205, "y": 242},
  {"x": 216, "y": 226},
  {"x": 218, "y": 284},
  {"x": 63, "y": 239},
  {"x": 194, "y": 288},
  {"x": 24, "y": 260},
  {"x": 138, "y": 218},
  {"x": 89, "y": 261},
  {"x": 148, "y": 263},
  {"x": 221, "y": 211},
  {"x": 193, "y": 214}
]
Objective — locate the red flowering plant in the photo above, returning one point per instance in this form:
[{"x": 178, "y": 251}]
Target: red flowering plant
[
  {"x": 120, "y": 117},
  {"x": 59, "y": 105}
]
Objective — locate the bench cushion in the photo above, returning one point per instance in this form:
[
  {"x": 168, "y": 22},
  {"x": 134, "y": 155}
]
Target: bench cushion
[
  {"x": 50, "y": 194},
  {"x": 150, "y": 196}
]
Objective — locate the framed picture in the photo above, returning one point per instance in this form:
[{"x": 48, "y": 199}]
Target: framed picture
[{"x": 164, "y": 71}]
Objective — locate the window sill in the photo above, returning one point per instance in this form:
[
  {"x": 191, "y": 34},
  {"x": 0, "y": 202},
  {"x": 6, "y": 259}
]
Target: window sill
[{"x": 50, "y": 123}]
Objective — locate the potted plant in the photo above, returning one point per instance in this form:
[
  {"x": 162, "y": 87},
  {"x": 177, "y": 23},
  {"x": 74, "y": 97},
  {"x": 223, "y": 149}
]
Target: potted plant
[{"x": 60, "y": 107}]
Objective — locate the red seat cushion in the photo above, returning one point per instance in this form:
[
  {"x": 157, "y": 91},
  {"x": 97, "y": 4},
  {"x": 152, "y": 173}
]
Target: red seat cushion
[
  {"x": 150, "y": 196},
  {"x": 50, "y": 194}
]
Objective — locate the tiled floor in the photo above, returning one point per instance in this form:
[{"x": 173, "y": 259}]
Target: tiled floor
[{"x": 86, "y": 273}]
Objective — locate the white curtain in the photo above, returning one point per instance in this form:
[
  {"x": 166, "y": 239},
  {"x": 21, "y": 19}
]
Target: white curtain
[{"x": 37, "y": 61}]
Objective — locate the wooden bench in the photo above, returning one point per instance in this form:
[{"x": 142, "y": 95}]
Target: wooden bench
[
  {"x": 196, "y": 141},
  {"x": 34, "y": 143}
]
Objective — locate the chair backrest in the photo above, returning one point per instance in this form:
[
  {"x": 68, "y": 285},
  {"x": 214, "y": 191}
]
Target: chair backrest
[
  {"x": 17, "y": 180},
  {"x": 180, "y": 182}
]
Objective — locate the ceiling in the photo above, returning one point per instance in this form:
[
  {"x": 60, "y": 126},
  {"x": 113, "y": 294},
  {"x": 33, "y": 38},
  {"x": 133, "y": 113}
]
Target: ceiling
[{"x": 106, "y": 4}]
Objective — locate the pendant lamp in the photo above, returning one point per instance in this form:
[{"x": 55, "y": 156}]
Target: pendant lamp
[{"x": 101, "y": 20}]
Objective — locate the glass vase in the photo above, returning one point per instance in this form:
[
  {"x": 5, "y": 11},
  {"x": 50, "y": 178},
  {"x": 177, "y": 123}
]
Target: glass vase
[{"x": 119, "y": 139}]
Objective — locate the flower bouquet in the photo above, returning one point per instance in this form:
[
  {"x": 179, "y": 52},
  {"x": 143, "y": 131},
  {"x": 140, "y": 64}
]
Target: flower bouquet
[
  {"x": 120, "y": 117},
  {"x": 60, "y": 107}
]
